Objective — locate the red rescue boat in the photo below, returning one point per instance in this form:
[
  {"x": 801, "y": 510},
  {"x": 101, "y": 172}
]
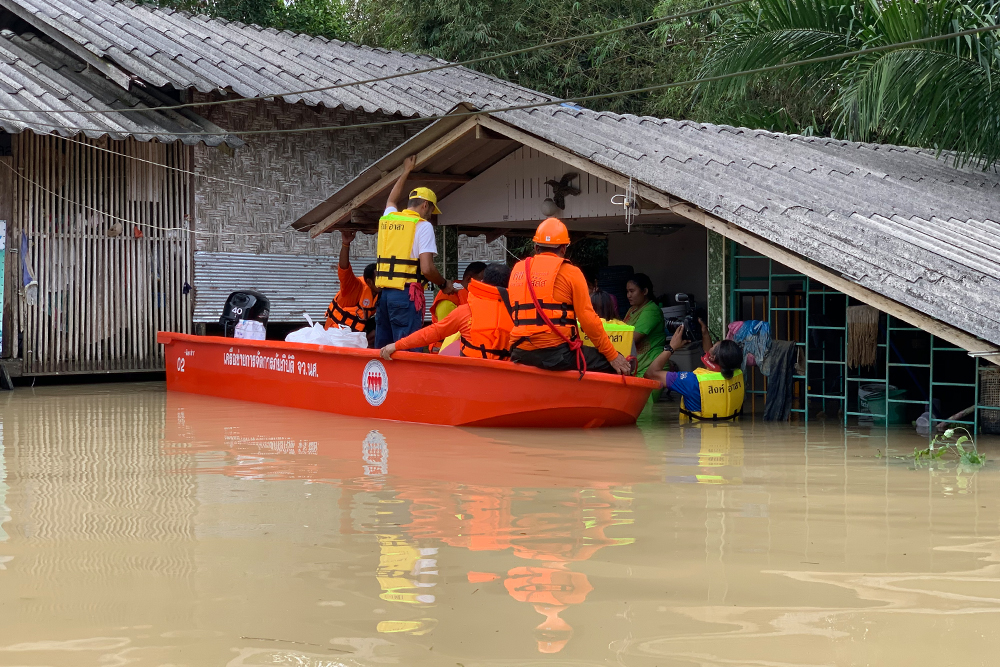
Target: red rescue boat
[{"x": 413, "y": 387}]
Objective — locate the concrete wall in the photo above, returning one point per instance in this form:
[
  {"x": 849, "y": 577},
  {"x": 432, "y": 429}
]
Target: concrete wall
[{"x": 675, "y": 263}]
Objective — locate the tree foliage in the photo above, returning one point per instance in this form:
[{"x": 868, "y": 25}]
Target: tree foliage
[
  {"x": 940, "y": 94},
  {"x": 326, "y": 18},
  {"x": 458, "y": 30}
]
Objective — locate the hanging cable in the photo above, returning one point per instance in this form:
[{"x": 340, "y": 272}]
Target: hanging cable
[
  {"x": 397, "y": 75},
  {"x": 135, "y": 223},
  {"x": 537, "y": 105},
  {"x": 193, "y": 173}
]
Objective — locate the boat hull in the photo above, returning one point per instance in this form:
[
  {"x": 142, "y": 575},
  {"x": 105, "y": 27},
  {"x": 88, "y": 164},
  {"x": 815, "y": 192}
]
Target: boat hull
[{"x": 412, "y": 387}]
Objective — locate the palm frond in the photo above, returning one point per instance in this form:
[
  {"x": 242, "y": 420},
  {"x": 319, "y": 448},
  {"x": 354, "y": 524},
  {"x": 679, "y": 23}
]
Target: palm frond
[{"x": 925, "y": 98}]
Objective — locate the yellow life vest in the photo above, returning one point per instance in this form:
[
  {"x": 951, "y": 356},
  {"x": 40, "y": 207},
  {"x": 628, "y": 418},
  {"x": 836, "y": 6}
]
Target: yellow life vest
[
  {"x": 618, "y": 332},
  {"x": 720, "y": 398},
  {"x": 394, "y": 268}
]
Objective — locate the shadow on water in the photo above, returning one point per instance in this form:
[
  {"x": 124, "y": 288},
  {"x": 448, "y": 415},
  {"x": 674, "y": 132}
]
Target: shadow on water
[{"x": 141, "y": 527}]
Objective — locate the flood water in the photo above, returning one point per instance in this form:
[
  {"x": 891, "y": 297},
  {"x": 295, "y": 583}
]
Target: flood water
[{"x": 144, "y": 528}]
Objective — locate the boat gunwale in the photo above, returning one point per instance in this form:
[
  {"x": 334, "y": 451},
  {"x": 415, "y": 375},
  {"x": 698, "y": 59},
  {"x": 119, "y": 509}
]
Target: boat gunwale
[{"x": 166, "y": 337}]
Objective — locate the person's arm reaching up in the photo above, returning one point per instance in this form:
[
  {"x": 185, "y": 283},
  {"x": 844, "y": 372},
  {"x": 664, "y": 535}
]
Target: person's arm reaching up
[
  {"x": 706, "y": 336},
  {"x": 400, "y": 185},
  {"x": 346, "y": 239}
]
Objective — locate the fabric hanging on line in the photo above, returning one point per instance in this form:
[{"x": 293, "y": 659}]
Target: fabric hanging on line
[
  {"x": 755, "y": 337},
  {"x": 779, "y": 367},
  {"x": 862, "y": 336},
  {"x": 732, "y": 329}
]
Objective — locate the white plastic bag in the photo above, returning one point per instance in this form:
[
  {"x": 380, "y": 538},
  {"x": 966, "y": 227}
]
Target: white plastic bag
[
  {"x": 346, "y": 337},
  {"x": 314, "y": 333},
  {"x": 317, "y": 335}
]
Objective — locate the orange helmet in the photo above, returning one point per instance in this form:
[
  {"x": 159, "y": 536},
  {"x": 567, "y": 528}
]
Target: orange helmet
[{"x": 552, "y": 231}]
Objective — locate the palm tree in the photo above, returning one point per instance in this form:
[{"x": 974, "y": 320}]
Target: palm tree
[{"x": 941, "y": 95}]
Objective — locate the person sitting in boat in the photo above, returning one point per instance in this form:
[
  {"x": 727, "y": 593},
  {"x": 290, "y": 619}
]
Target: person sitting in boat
[
  {"x": 354, "y": 304},
  {"x": 548, "y": 297},
  {"x": 444, "y": 304},
  {"x": 713, "y": 392},
  {"x": 405, "y": 260},
  {"x": 483, "y": 322},
  {"x": 621, "y": 334}
]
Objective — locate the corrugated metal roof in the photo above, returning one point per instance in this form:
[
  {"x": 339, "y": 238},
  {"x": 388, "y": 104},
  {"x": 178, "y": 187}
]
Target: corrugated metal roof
[
  {"x": 895, "y": 220},
  {"x": 164, "y": 47},
  {"x": 37, "y": 75}
]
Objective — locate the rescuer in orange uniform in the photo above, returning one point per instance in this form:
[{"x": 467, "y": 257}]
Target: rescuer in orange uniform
[
  {"x": 484, "y": 322},
  {"x": 354, "y": 305},
  {"x": 548, "y": 296},
  {"x": 445, "y": 304}
]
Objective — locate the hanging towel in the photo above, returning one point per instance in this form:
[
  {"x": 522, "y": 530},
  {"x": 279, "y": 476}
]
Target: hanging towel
[
  {"x": 779, "y": 368},
  {"x": 733, "y": 328},
  {"x": 862, "y": 336}
]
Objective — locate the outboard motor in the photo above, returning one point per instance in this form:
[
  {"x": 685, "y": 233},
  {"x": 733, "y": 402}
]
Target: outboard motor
[{"x": 245, "y": 315}]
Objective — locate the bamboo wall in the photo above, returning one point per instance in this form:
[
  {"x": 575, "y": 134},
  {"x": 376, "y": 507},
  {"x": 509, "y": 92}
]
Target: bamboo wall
[{"x": 105, "y": 286}]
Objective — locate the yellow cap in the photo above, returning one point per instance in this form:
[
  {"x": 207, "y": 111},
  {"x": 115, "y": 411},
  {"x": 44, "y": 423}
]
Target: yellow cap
[{"x": 427, "y": 194}]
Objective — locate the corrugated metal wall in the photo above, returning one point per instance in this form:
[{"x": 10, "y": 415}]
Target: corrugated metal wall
[
  {"x": 292, "y": 283},
  {"x": 107, "y": 242}
]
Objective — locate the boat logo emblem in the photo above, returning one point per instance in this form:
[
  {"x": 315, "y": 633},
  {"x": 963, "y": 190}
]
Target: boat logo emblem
[{"x": 375, "y": 383}]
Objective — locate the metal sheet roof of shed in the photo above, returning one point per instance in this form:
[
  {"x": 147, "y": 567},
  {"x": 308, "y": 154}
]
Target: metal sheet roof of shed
[
  {"x": 898, "y": 221},
  {"x": 36, "y": 75},
  {"x": 165, "y": 47}
]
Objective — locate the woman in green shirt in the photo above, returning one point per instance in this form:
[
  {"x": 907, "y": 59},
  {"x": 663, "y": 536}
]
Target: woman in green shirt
[{"x": 647, "y": 318}]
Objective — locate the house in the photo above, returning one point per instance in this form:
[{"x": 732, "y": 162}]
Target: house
[
  {"x": 759, "y": 225},
  {"x": 156, "y": 161},
  {"x": 125, "y": 221}
]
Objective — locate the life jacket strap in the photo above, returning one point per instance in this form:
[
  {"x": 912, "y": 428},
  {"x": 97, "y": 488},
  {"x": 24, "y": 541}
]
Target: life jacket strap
[
  {"x": 392, "y": 273},
  {"x": 356, "y": 321},
  {"x": 567, "y": 316},
  {"x": 713, "y": 418},
  {"x": 483, "y": 350}
]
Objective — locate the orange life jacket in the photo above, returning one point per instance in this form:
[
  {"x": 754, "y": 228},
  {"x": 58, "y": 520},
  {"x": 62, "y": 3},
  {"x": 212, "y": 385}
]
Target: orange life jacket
[
  {"x": 489, "y": 337},
  {"x": 355, "y": 317},
  {"x": 527, "y": 322},
  {"x": 459, "y": 298}
]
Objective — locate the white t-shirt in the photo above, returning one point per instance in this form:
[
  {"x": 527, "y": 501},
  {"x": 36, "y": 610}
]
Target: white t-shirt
[{"x": 423, "y": 238}]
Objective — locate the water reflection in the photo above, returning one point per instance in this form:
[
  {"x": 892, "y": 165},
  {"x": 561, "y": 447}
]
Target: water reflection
[
  {"x": 149, "y": 529},
  {"x": 417, "y": 488}
]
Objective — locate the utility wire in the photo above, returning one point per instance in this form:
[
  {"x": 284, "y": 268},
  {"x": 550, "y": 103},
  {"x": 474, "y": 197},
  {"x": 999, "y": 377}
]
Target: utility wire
[
  {"x": 193, "y": 173},
  {"x": 720, "y": 77},
  {"x": 438, "y": 68},
  {"x": 132, "y": 222},
  {"x": 536, "y": 105}
]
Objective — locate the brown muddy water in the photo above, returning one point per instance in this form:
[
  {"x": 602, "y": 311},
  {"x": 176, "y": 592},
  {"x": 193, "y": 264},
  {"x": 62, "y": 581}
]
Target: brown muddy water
[{"x": 141, "y": 528}]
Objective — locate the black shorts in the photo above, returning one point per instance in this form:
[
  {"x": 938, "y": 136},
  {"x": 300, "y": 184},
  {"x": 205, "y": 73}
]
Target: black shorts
[{"x": 561, "y": 358}]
